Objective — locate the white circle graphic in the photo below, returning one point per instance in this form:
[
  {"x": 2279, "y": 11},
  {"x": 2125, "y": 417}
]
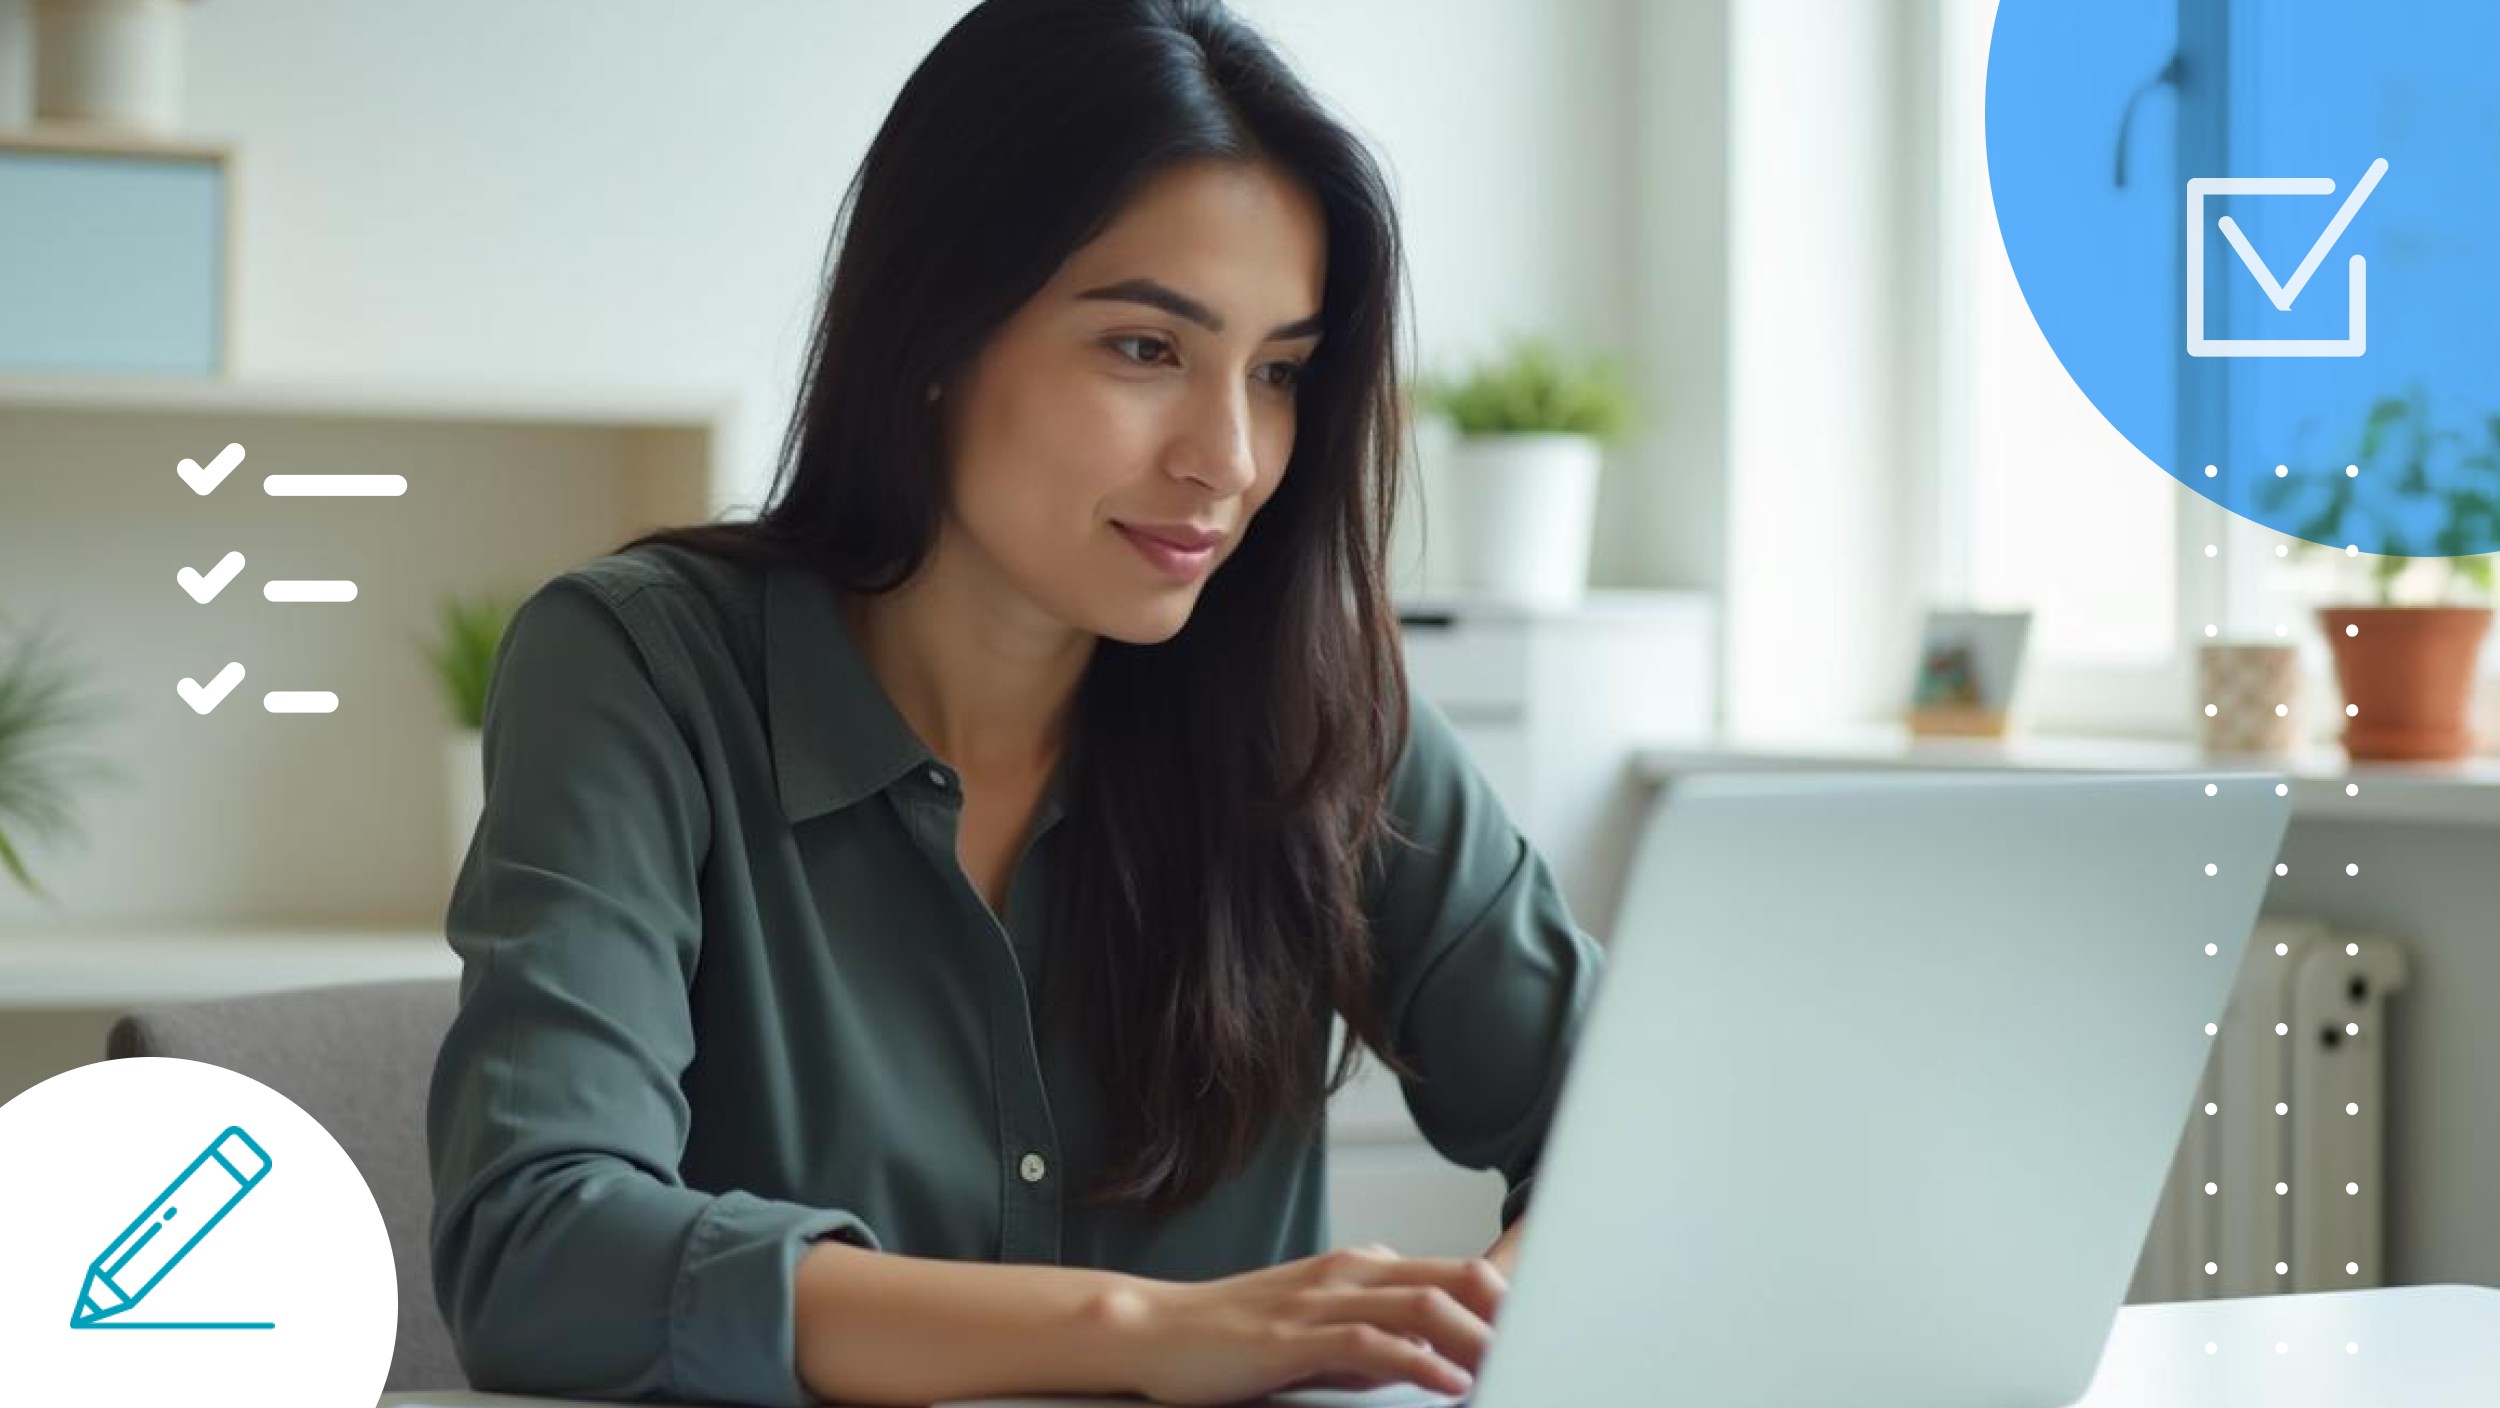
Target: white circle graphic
[{"x": 181, "y": 1233}]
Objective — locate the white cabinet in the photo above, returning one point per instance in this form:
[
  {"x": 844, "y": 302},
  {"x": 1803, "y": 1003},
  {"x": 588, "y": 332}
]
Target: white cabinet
[{"x": 1555, "y": 706}]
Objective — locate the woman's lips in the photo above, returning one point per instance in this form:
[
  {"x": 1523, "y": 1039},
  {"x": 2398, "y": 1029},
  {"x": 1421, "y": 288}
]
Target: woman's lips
[{"x": 1179, "y": 564}]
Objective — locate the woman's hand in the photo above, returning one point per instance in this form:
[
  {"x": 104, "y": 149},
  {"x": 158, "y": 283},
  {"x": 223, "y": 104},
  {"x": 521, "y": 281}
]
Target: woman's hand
[{"x": 1354, "y": 1318}]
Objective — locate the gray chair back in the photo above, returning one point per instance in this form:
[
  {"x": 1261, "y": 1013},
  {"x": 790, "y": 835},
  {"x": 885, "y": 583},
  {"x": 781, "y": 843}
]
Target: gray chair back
[{"x": 359, "y": 1060}]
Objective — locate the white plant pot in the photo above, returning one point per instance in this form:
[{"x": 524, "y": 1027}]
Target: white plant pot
[
  {"x": 115, "y": 62},
  {"x": 464, "y": 792},
  {"x": 1525, "y": 509}
]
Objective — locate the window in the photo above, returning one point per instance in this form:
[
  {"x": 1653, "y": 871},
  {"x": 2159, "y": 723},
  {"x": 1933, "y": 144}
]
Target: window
[{"x": 2041, "y": 502}]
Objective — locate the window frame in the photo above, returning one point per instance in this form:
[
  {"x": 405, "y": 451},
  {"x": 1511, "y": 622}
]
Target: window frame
[{"x": 2229, "y": 590}]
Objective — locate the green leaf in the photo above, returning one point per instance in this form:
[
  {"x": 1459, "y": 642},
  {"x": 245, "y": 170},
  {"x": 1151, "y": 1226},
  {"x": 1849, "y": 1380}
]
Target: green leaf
[
  {"x": 2386, "y": 412},
  {"x": 2328, "y": 524},
  {"x": 2429, "y": 462},
  {"x": 463, "y": 652},
  {"x": 17, "y": 867},
  {"x": 41, "y": 712},
  {"x": 1528, "y": 388}
]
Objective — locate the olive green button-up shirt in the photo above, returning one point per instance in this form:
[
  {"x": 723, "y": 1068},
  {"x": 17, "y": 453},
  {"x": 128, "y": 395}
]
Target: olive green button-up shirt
[{"x": 726, "y": 990}]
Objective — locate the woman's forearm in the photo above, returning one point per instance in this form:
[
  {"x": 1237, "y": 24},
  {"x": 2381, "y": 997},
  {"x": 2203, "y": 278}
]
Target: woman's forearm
[{"x": 879, "y": 1328}]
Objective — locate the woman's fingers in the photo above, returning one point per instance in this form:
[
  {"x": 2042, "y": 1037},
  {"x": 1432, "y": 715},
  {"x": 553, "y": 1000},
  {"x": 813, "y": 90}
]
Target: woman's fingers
[
  {"x": 1475, "y": 1282},
  {"x": 1358, "y": 1350},
  {"x": 1355, "y": 1382},
  {"x": 1446, "y": 1325},
  {"x": 1372, "y": 1317}
]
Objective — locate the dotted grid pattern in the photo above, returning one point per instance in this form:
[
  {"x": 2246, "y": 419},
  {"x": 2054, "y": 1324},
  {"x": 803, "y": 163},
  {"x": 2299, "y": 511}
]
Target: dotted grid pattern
[{"x": 2248, "y": 694}]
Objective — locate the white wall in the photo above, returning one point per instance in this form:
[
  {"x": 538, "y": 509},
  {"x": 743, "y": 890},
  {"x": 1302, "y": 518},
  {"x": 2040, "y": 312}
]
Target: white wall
[
  {"x": 1680, "y": 289},
  {"x": 243, "y": 817},
  {"x": 552, "y": 194},
  {"x": 1822, "y": 434},
  {"x": 639, "y": 191},
  {"x": 642, "y": 191},
  {"x": 541, "y": 192}
]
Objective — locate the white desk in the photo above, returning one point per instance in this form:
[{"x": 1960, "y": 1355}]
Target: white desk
[{"x": 2419, "y": 1347}]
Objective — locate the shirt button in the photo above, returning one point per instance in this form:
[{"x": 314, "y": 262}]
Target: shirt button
[
  {"x": 937, "y": 777},
  {"x": 1032, "y": 1168}
]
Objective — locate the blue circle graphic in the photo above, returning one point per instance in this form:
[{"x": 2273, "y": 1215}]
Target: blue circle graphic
[{"x": 2265, "y": 233}]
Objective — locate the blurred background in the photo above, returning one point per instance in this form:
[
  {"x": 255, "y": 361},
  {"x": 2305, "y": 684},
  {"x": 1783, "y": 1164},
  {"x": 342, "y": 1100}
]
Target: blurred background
[{"x": 1738, "y": 447}]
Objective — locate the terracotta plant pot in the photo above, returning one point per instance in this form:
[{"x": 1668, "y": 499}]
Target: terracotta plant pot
[{"x": 2410, "y": 669}]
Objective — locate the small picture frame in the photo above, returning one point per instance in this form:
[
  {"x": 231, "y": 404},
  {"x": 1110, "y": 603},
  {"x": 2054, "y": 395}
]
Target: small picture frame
[{"x": 1968, "y": 665}]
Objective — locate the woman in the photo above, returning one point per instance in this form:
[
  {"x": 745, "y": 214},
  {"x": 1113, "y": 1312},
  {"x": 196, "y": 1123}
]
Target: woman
[{"x": 904, "y": 932}]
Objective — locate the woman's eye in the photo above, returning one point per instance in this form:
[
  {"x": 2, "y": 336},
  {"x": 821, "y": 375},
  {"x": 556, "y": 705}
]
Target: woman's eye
[
  {"x": 1292, "y": 377},
  {"x": 1292, "y": 370},
  {"x": 1115, "y": 343}
]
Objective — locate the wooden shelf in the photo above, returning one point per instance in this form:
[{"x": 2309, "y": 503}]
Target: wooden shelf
[
  {"x": 104, "y": 139},
  {"x": 626, "y": 407}
]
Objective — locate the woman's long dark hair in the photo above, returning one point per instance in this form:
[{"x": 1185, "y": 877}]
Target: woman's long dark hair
[{"x": 1226, "y": 787}]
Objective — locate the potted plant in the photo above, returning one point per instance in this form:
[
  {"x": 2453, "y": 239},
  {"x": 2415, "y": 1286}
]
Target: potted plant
[
  {"x": 40, "y": 708},
  {"x": 1524, "y": 471},
  {"x": 112, "y": 62},
  {"x": 2407, "y": 668},
  {"x": 463, "y": 656}
]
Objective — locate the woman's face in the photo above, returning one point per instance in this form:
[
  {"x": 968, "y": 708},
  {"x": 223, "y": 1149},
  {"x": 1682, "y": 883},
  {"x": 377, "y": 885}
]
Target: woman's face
[{"x": 1094, "y": 408}]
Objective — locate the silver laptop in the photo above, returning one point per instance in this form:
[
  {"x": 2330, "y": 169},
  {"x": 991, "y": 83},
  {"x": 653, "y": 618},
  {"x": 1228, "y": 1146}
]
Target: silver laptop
[{"x": 1879, "y": 1092}]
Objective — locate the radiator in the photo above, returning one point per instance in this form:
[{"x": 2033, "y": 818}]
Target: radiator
[{"x": 2302, "y": 1110}]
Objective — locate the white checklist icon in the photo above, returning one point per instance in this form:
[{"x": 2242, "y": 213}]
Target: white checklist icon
[{"x": 2355, "y": 339}]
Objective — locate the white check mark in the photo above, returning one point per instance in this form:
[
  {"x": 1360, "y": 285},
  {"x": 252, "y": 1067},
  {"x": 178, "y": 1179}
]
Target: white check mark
[
  {"x": 204, "y": 480},
  {"x": 2282, "y": 294},
  {"x": 205, "y": 589},
  {"x": 202, "y": 699}
]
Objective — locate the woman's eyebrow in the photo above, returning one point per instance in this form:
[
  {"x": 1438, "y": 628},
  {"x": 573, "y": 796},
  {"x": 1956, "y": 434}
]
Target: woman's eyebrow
[{"x": 1181, "y": 305}]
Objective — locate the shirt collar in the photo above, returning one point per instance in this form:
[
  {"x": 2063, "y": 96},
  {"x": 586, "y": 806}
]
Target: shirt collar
[{"x": 836, "y": 735}]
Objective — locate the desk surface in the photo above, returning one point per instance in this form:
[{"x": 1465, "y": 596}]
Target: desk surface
[{"x": 2398, "y": 1347}]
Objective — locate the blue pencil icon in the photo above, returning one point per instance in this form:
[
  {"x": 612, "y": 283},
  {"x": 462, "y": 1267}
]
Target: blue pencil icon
[{"x": 196, "y": 1200}]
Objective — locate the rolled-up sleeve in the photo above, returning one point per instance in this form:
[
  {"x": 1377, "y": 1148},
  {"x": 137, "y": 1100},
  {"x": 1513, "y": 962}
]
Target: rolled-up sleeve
[
  {"x": 1484, "y": 976},
  {"x": 569, "y": 1256}
]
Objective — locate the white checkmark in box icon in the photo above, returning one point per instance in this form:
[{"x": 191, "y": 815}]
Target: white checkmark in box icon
[{"x": 2355, "y": 340}]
